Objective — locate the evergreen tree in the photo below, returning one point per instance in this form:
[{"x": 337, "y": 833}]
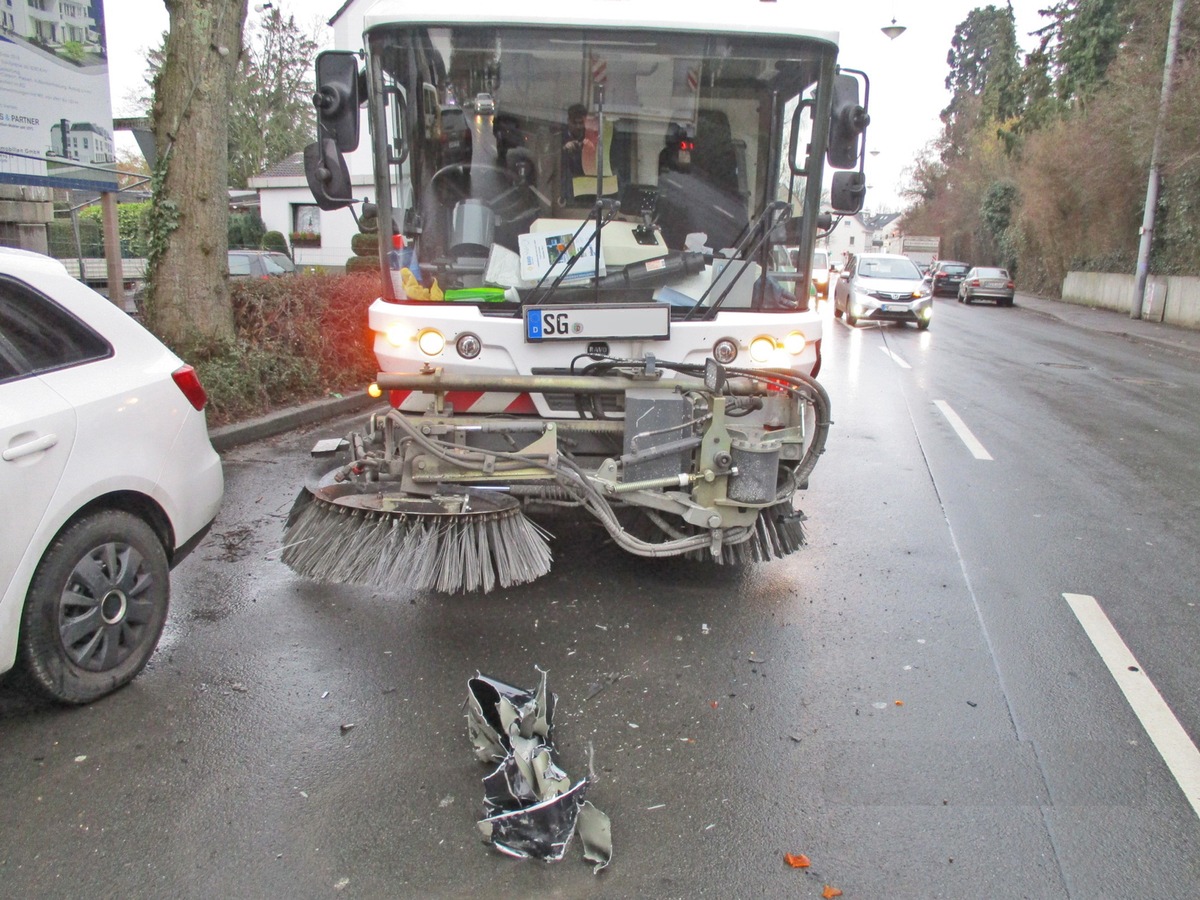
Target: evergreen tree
[{"x": 271, "y": 115}]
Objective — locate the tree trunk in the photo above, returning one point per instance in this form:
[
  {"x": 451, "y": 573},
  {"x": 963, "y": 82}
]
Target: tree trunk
[{"x": 188, "y": 302}]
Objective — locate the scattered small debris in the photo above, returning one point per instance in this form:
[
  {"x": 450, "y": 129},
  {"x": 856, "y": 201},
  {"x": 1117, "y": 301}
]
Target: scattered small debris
[
  {"x": 753, "y": 657},
  {"x": 656, "y": 806},
  {"x": 448, "y": 800},
  {"x": 348, "y": 726},
  {"x": 830, "y": 892},
  {"x": 325, "y": 695},
  {"x": 972, "y": 703},
  {"x": 239, "y": 687},
  {"x": 81, "y": 758},
  {"x": 704, "y": 628},
  {"x": 796, "y": 860},
  {"x": 343, "y": 883}
]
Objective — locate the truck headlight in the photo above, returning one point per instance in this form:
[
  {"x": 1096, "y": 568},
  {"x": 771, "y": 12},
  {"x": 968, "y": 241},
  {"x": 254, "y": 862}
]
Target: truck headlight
[{"x": 431, "y": 342}]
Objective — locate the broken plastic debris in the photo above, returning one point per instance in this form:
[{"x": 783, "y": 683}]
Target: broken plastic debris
[
  {"x": 796, "y": 860},
  {"x": 531, "y": 809},
  {"x": 830, "y": 892}
]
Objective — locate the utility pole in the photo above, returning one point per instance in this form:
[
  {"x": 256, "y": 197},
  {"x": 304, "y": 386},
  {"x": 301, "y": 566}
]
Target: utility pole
[{"x": 1147, "y": 231}]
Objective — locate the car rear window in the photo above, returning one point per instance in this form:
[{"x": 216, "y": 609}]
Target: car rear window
[
  {"x": 820, "y": 260},
  {"x": 454, "y": 119},
  {"x": 991, "y": 273},
  {"x": 38, "y": 335},
  {"x": 239, "y": 264},
  {"x": 954, "y": 270},
  {"x": 277, "y": 264}
]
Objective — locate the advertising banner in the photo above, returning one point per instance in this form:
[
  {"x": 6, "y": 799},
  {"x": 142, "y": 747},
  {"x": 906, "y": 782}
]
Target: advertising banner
[{"x": 56, "y": 125}]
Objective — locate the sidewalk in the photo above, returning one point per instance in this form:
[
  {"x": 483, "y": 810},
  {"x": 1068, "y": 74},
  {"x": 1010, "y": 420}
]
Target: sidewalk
[{"x": 1184, "y": 340}]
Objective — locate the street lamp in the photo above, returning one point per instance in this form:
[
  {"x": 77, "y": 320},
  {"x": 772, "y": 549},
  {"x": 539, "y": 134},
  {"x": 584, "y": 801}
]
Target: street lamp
[{"x": 893, "y": 31}]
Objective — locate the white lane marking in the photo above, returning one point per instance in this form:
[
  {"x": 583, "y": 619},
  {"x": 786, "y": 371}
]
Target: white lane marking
[
  {"x": 963, "y": 432},
  {"x": 896, "y": 359},
  {"x": 1175, "y": 747}
]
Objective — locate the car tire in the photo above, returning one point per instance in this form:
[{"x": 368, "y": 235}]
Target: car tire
[
  {"x": 851, "y": 319},
  {"x": 95, "y": 609},
  {"x": 923, "y": 326},
  {"x": 837, "y": 313}
]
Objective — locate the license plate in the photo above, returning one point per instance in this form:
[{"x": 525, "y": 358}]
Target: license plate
[
  {"x": 994, "y": 284},
  {"x": 591, "y": 323}
]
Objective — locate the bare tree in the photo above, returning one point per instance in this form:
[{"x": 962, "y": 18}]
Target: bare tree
[{"x": 188, "y": 302}]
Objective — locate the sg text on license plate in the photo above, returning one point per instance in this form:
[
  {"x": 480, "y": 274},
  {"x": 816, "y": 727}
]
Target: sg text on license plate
[{"x": 597, "y": 322}]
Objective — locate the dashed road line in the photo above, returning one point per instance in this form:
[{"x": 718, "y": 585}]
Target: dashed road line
[
  {"x": 964, "y": 433},
  {"x": 1160, "y": 723},
  {"x": 896, "y": 359}
]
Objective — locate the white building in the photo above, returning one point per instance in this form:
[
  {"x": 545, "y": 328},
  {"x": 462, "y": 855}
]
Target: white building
[
  {"x": 51, "y": 22},
  {"x": 862, "y": 233}
]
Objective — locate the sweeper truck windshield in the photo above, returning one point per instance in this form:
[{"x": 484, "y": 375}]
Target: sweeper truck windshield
[{"x": 580, "y": 302}]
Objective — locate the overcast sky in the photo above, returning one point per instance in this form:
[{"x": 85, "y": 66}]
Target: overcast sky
[{"x": 907, "y": 75}]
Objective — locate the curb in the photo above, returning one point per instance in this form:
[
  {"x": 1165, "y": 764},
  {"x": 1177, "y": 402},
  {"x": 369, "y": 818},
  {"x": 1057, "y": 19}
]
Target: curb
[{"x": 229, "y": 436}]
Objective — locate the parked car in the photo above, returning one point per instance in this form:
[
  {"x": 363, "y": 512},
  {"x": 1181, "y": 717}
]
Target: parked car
[
  {"x": 259, "y": 264},
  {"x": 454, "y": 137},
  {"x": 946, "y": 276},
  {"x": 986, "y": 283},
  {"x": 484, "y": 103},
  {"x": 108, "y": 476},
  {"x": 882, "y": 287}
]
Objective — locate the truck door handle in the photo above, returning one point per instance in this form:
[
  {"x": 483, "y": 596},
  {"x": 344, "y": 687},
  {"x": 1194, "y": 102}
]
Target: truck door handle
[{"x": 45, "y": 442}]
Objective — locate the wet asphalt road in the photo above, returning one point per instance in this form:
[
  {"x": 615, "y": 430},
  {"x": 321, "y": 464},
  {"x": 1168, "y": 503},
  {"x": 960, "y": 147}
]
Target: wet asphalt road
[{"x": 910, "y": 701}]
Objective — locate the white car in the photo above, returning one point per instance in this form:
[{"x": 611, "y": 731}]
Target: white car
[
  {"x": 108, "y": 478},
  {"x": 484, "y": 103},
  {"x": 882, "y": 287}
]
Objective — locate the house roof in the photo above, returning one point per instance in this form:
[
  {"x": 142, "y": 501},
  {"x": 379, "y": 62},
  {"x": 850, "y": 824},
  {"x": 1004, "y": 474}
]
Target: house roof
[
  {"x": 341, "y": 9},
  {"x": 292, "y": 167}
]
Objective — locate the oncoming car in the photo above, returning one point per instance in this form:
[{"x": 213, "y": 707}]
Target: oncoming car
[
  {"x": 882, "y": 287},
  {"x": 484, "y": 103},
  {"x": 820, "y": 272},
  {"x": 108, "y": 475},
  {"x": 987, "y": 283}
]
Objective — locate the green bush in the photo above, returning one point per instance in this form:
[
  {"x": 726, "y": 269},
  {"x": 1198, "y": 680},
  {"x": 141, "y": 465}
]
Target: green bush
[
  {"x": 246, "y": 230},
  {"x": 298, "y": 339},
  {"x": 274, "y": 240}
]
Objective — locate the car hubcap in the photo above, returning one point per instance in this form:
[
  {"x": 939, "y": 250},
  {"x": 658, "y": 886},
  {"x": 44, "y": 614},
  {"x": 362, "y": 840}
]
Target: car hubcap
[{"x": 105, "y": 607}]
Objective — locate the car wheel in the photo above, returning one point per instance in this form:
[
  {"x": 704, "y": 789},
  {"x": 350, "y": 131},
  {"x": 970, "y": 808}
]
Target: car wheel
[
  {"x": 923, "y": 326},
  {"x": 851, "y": 319},
  {"x": 837, "y": 313},
  {"x": 96, "y": 607}
]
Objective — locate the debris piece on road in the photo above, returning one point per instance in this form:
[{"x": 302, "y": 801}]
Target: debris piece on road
[
  {"x": 797, "y": 860},
  {"x": 830, "y": 892},
  {"x": 348, "y": 726},
  {"x": 531, "y": 808}
]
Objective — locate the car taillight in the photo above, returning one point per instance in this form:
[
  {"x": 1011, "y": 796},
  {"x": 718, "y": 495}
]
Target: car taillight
[
  {"x": 974, "y": 282},
  {"x": 188, "y": 382},
  {"x": 1010, "y": 286}
]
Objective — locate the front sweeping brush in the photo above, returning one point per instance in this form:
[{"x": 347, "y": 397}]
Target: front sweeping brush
[{"x": 358, "y": 534}]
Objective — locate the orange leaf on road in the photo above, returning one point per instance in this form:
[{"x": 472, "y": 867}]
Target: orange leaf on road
[{"x": 796, "y": 860}]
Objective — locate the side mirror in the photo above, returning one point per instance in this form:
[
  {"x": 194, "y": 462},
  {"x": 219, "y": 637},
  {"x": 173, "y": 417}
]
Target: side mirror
[
  {"x": 848, "y": 120},
  {"x": 328, "y": 176},
  {"x": 848, "y": 191},
  {"x": 337, "y": 98}
]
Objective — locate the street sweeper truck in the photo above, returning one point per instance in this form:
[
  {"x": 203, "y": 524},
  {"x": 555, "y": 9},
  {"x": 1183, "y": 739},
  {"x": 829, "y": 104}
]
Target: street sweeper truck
[{"x": 580, "y": 310}]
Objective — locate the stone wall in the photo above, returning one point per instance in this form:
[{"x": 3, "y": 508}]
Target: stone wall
[{"x": 1174, "y": 299}]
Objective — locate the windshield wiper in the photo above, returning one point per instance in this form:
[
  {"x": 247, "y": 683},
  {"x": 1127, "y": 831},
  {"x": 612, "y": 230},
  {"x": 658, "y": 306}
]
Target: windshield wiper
[{"x": 745, "y": 254}]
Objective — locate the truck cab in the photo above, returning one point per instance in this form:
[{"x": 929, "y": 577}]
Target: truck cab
[{"x": 598, "y": 289}]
